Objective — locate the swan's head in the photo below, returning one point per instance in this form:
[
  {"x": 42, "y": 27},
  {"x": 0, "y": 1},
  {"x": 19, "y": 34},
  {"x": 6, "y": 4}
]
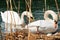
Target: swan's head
[{"x": 29, "y": 15}]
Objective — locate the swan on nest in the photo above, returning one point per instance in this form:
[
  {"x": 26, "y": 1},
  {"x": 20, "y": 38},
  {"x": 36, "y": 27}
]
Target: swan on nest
[
  {"x": 44, "y": 26},
  {"x": 12, "y": 18}
]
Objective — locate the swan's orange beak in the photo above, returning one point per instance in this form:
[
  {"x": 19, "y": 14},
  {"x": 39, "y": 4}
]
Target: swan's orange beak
[{"x": 55, "y": 24}]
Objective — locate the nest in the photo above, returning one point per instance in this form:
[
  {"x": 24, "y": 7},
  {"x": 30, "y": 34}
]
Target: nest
[{"x": 26, "y": 35}]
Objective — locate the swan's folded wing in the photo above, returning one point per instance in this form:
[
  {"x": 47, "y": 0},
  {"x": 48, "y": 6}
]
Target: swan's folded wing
[
  {"x": 11, "y": 17},
  {"x": 34, "y": 24}
]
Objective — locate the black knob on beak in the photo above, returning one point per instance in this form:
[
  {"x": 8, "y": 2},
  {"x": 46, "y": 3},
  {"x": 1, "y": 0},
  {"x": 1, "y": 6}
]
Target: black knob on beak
[
  {"x": 55, "y": 22},
  {"x": 31, "y": 17}
]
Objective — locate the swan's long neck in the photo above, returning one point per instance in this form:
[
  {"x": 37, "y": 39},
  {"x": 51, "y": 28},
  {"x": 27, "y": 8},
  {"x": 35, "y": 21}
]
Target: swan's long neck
[
  {"x": 54, "y": 15},
  {"x": 22, "y": 16}
]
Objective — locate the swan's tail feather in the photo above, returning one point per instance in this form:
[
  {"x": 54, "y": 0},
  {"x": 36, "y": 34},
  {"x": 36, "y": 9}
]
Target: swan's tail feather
[
  {"x": 2, "y": 16},
  {"x": 1, "y": 13}
]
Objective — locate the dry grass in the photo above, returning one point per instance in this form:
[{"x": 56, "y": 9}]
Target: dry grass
[{"x": 25, "y": 35}]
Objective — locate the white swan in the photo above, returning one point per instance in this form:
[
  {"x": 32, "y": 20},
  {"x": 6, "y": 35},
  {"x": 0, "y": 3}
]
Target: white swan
[
  {"x": 11, "y": 17},
  {"x": 44, "y": 26}
]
